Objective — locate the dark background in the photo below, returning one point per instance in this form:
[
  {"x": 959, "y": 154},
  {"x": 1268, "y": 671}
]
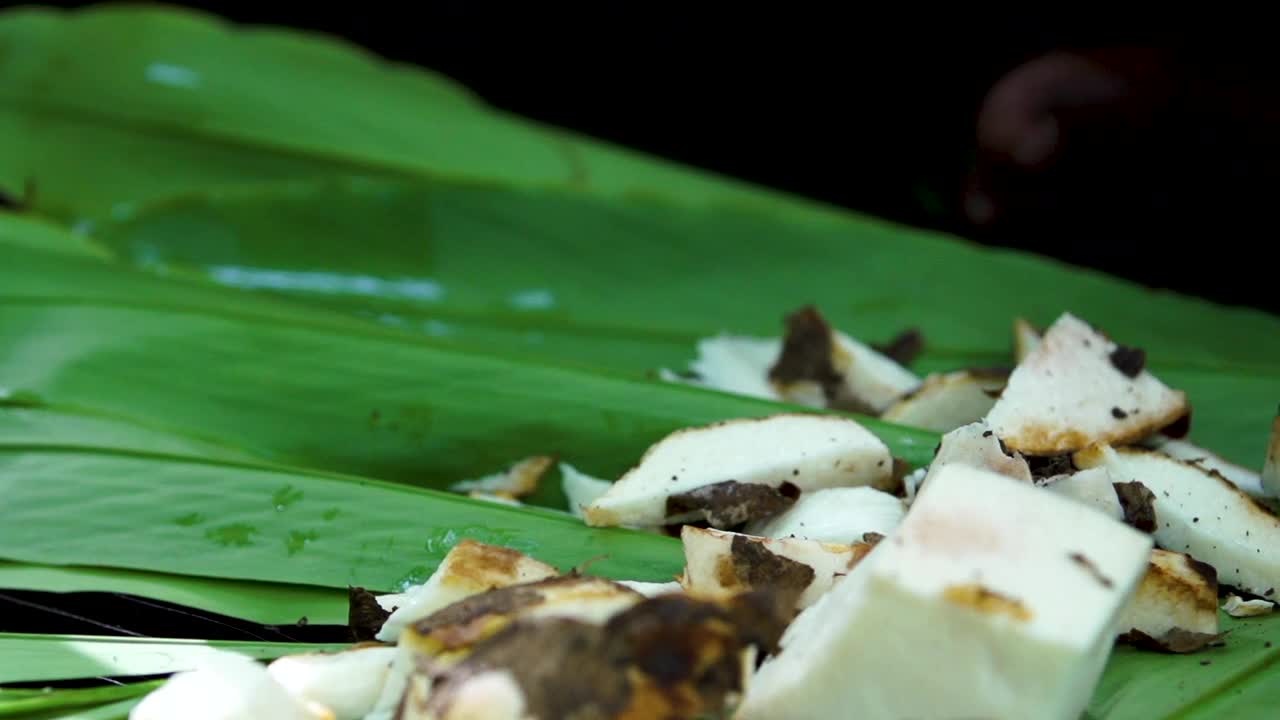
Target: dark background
[{"x": 879, "y": 114}]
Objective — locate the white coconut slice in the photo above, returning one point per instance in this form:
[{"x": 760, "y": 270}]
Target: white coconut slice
[
  {"x": 719, "y": 564},
  {"x": 469, "y": 568},
  {"x": 488, "y": 695},
  {"x": 347, "y": 682},
  {"x": 581, "y": 489},
  {"x": 976, "y": 445},
  {"x": 1078, "y": 388},
  {"x": 1094, "y": 487},
  {"x": 1013, "y": 590},
  {"x": 911, "y": 483},
  {"x": 1176, "y": 603},
  {"x": 819, "y": 365},
  {"x": 517, "y": 481},
  {"x": 1238, "y": 607},
  {"x": 1198, "y": 512},
  {"x": 948, "y": 401},
  {"x": 734, "y": 364},
  {"x": 395, "y": 686},
  {"x": 1271, "y": 466},
  {"x": 1244, "y": 478},
  {"x": 229, "y": 687},
  {"x": 653, "y": 589},
  {"x": 1026, "y": 337},
  {"x": 834, "y": 515},
  {"x": 739, "y": 470},
  {"x": 391, "y": 601}
]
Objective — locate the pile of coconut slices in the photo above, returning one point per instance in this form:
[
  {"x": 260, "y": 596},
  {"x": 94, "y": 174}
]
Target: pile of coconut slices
[{"x": 1060, "y": 514}]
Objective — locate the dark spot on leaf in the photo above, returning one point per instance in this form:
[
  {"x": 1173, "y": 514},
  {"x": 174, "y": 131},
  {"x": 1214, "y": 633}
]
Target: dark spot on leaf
[
  {"x": 1205, "y": 662},
  {"x": 189, "y": 519},
  {"x": 1118, "y": 414}
]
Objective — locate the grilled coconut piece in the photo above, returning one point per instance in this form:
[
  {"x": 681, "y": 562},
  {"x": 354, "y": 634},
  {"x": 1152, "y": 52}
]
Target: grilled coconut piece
[
  {"x": 1027, "y": 585},
  {"x": 1079, "y": 388},
  {"x": 731, "y": 472}
]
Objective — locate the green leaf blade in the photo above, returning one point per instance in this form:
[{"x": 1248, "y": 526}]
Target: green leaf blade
[
  {"x": 28, "y": 658},
  {"x": 259, "y": 602}
]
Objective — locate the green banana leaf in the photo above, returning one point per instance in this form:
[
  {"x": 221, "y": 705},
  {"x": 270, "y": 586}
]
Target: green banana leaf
[
  {"x": 57, "y": 703},
  {"x": 111, "y": 711},
  {"x": 46, "y": 658},
  {"x": 259, "y": 602},
  {"x": 181, "y": 100},
  {"x": 1139, "y": 685},
  {"x": 205, "y": 518},
  {"x": 132, "y": 121},
  {"x": 322, "y": 392},
  {"x": 519, "y": 272}
]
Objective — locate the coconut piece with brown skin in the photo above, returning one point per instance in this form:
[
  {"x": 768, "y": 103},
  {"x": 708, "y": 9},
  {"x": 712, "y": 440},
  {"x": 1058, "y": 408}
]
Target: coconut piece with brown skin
[
  {"x": 1271, "y": 466},
  {"x": 1247, "y": 480},
  {"x": 1011, "y": 591},
  {"x": 455, "y": 628},
  {"x": 834, "y": 515},
  {"x": 1078, "y": 388},
  {"x": 667, "y": 657},
  {"x": 947, "y": 401},
  {"x": 517, "y": 481},
  {"x": 580, "y": 489},
  {"x": 1199, "y": 512},
  {"x": 817, "y": 361},
  {"x": 976, "y": 445},
  {"x": 719, "y": 564},
  {"x": 1178, "y": 597},
  {"x": 1094, "y": 487},
  {"x": 470, "y": 567},
  {"x": 739, "y": 470}
]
